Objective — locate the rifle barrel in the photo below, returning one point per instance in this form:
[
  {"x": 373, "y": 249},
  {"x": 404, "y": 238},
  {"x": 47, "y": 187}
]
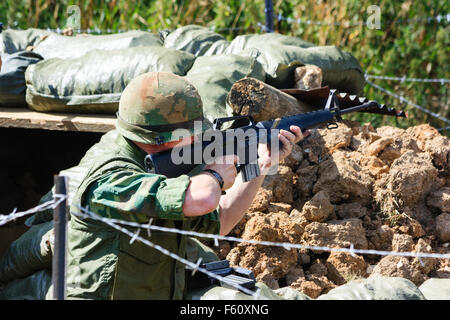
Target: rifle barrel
[{"x": 367, "y": 105}]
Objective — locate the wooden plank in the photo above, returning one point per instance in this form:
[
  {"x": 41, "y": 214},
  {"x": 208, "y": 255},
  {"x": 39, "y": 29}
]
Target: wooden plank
[{"x": 26, "y": 118}]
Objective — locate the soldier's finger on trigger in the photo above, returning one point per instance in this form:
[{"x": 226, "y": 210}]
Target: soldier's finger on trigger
[
  {"x": 289, "y": 135},
  {"x": 298, "y": 135}
]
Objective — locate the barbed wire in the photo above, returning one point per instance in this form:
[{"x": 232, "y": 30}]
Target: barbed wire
[
  {"x": 439, "y": 18},
  {"x": 111, "y": 31},
  {"x": 194, "y": 266},
  {"x": 51, "y": 204},
  {"x": 85, "y": 213},
  {"x": 403, "y": 99},
  {"x": 134, "y": 236},
  {"x": 310, "y": 22},
  {"x": 406, "y": 79},
  {"x": 115, "y": 223},
  {"x": 442, "y": 129}
]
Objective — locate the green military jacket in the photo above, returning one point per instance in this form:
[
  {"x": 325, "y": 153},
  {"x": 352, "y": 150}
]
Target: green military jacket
[{"x": 101, "y": 262}]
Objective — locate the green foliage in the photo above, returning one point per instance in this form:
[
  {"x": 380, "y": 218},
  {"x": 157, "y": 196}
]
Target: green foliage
[{"x": 398, "y": 48}]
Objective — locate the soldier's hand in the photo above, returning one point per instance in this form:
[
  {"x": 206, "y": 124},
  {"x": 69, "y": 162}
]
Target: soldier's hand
[
  {"x": 287, "y": 139},
  {"x": 226, "y": 167}
]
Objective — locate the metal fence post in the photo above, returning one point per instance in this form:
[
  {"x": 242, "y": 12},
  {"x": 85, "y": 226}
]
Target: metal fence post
[
  {"x": 60, "y": 230},
  {"x": 269, "y": 16}
]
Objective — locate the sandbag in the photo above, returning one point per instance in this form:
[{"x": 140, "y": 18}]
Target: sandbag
[
  {"x": 196, "y": 40},
  {"x": 28, "y": 254},
  {"x": 94, "y": 82},
  {"x": 65, "y": 47},
  {"x": 37, "y": 286},
  {"x": 375, "y": 288},
  {"x": 436, "y": 289},
  {"x": 12, "y": 77},
  {"x": 288, "y": 293},
  {"x": 214, "y": 76},
  {"x": 223, "y": 293},
  {"x": 248, "y": 41},
  {"x": 12, "y": 41},
  {"x": 340, "y": 69}
]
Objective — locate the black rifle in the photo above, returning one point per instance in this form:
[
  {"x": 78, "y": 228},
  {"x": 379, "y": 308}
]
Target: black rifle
[
  {"x": 230, "y": 276},
  {"x": 242, "y": 139}
]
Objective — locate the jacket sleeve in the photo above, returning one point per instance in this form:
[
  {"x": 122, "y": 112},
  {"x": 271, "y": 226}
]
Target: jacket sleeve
[
  {"x": 208, "y": 223},
  {"x": 137, "y": 196}
]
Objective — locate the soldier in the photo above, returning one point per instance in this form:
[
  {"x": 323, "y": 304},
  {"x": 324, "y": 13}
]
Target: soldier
[{"x": 102, "y": 264}]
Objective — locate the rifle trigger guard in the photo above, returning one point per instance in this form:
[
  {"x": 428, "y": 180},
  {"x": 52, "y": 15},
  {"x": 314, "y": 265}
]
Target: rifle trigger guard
[
  {"x": 332, "y": 104},
  {"x": 332, "y": 125}
]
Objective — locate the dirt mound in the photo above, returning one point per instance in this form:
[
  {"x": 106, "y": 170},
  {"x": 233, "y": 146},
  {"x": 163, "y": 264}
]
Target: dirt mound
[{"x": 382, "y": 189}]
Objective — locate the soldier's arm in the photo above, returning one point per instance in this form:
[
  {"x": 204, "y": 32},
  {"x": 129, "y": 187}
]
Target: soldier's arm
[
  {"x": 236, "y": 201},
  {"x": 138, "y": 196},
  {"x": 204, "y": 191},
  {"x": 239, "y": 197},
  {"x": 202, "y": 195}
]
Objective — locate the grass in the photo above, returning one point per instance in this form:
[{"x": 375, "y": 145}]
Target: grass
[{"x": 398, "y": 48}]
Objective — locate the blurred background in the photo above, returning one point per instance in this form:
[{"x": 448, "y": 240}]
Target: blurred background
[{"x": 412, "y": 41}]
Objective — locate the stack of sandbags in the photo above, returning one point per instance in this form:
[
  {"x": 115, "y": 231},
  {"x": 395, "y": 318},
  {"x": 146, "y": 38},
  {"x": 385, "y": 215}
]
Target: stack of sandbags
[
  {"x": 87, "y": 73},
  {"x": 340, "y": 69},
  {"x": 93, "y": 83}
]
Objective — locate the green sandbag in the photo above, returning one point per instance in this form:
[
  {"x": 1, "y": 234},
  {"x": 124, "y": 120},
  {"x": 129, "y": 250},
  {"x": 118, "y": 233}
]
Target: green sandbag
[
  {"x": 196, "y": 40},
  {"x": 222, "y": 293},
  {"x": 214, "y": 76},
  {"x": 217, "y": 47},
  {"x": 31, "y": 252},
  {"x": 288, "y": 293},
  {"x": 436, "y": 289},
  {"x": 12, "y": 77},
  {"x": 340, "y": 69},
  {"x": 65, "y": 47},
  {"x": 38, "y": 286},
  {"x": 375, "y": 288},
  {"x": 12, "y": 41},
  {"x": 94, "y": 82},
  {"x": 274, "y": 39}
]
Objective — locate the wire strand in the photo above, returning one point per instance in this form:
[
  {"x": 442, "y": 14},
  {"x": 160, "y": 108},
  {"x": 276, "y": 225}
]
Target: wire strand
[
  {"x": 403, "y": 99},
  {"x": 286, "y": 245}
]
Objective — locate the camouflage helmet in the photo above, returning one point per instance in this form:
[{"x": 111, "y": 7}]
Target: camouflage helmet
[{"x": 155, "y": 104}]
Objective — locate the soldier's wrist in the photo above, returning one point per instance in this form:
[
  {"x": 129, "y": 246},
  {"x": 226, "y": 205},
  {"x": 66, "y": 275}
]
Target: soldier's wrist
[{"x": 217, "y": 177}]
